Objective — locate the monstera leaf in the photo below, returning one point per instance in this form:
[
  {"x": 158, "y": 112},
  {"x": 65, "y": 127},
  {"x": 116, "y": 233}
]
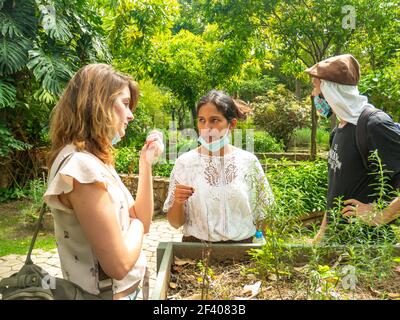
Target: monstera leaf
[
  {"x": 50, "y": 69},
  {"x": 55, "y": 26},
  {"x": 17, "y": 27},
  {"x": 13, "y": 55},
  {"x": 7, "y": 94},
  {"x": 17, "y": 19}
]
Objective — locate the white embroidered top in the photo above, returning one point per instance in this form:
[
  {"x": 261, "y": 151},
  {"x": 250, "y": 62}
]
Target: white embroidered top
[
  {"x": 78, "y": 262},
  {"x": 231, "y": 194}
]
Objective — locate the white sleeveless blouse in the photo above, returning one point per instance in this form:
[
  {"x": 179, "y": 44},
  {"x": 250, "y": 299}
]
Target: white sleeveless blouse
[{"x": 78, "y": 262}]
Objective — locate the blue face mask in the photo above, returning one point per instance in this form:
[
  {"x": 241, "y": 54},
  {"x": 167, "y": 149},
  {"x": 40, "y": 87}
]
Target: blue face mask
[
  {"x": 116, "y": 139},
  {"x": 215, "y": 145},
  {"x": 322, "y": 106}
]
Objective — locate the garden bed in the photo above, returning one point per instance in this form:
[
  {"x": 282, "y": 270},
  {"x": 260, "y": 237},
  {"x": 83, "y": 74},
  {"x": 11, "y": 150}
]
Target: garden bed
[{"x": 231, "y": 274}]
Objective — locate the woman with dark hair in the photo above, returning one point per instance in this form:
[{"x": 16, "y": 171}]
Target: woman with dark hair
[{"x": 217, "y": 192}]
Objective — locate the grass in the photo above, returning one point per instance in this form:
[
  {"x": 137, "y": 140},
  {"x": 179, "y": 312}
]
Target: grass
[
  {"x": 15, "y": 234},
  {"x": 21, "y": 246}
]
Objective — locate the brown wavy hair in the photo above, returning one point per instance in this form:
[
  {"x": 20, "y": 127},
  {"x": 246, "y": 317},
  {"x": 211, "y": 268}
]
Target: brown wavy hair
[{"x": 84, "y": 115}]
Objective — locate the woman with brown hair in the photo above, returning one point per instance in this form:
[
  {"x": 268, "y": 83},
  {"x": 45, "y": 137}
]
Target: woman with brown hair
[
  {"x": 218, "y": 192},
  {"x": 99, "y": 228}
]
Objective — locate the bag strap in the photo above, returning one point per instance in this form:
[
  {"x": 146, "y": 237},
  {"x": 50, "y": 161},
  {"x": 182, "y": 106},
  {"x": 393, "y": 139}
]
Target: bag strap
[
  {"x": 41, "y": 214},
  {"x": 361, "y": 133}
]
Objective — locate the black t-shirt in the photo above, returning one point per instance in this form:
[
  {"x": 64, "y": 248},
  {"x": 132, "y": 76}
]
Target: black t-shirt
[{"x": 347, "y": 175}]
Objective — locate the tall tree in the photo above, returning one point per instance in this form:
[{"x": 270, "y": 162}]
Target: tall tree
[
  {"x": 132, "y": 27},
  {"x": 307, "y": 32}
]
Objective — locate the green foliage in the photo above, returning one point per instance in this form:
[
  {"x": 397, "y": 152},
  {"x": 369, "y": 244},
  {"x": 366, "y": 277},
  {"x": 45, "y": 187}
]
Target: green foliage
[
  {"x": 190, "y": 17},
  {"x": 132, "y": 28},
  {"x": 162, "y": 169},
  {"x": 50, "y": 69},
  {"x": 13, "y": 56},
  {"x": 126, "y": 160},
  {"x": 247, "y": 90},
  {"x": 279, "y": 113},
  {"x": 7, "y": 93},
  {"x": 154, "y": 100},
  {"x": 16, "y": 235},
  {"x": 302, "y": 138},
  {"x": 299, "y": 189},
  {"x": 383, "y": 87},
  {"x": 263, "y": 142},
  {"x": 148, "y": 115},
  {"x": 137, "y": 130},
  {"x": 184, "y": 143},
  {"x": 351, "y": 255},
  {"x": 42, "y": 44},
  {"x": 192, "y": 63},
  {"x": 34, "y": 192},
  {"x": 272, "y": 258},
  {"x": 8, "y": 143},
  {"x": 7, "y": 194},
  {"x": 376, "y": 43},
  {"x": 383, "y": 189},
  {"x": 180, "y": 66}
]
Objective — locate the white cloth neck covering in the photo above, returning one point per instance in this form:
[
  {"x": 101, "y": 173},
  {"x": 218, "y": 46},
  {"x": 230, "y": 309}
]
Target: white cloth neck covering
[{"x": 345, "y": 100}]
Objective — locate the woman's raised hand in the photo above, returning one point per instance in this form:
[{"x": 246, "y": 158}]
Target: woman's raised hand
[
  {"x": 153, "y": 147},
  {"x": 182, "y": 193}
]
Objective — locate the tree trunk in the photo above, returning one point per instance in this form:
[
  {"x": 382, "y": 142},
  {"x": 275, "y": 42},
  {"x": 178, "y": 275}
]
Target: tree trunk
[
  {"x": 298, "y": 90},
  {"x": 181, "y": 117},
  {"x": 194, "y": 114},
  {"x": 314, "y": 124}
]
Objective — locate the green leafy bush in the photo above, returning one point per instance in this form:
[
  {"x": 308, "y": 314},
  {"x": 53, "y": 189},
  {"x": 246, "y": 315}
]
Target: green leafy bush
[
  {"x": 162, "y": 169},
  {"x": 279, "y": 113},
  {"x": 8, "y": 143},
  {"x": 7, "y": 194},
  {"x": 302, "y": 138},
  {"x": 34, "y": 191},
  {"x": 126, "y": 160},
  {"x": 351, "y": 256},
  {"x": 299, "y": 189},
  {"x": 264, "y": 142}
]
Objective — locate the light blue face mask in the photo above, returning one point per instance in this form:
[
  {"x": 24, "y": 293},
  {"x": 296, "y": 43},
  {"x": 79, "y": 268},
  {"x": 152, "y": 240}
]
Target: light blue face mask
[
  {"x": 116, "y": 139},
  {"x": 215, "y": 145}
]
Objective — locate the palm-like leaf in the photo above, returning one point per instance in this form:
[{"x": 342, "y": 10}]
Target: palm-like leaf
[
  {"x": 50, "y": 69},
  {"x": 45, "y": 96},
  {"x": 13, "y": 55},
  {"x": 7, "y": 94},
  {"x": 9, "y": 26},
  {"x": 17, "y": 19},
  {"x": 53, "y": 24}
]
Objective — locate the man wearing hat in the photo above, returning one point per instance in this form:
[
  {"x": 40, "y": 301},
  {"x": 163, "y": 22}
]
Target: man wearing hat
[{"x": 335, "y": 92}]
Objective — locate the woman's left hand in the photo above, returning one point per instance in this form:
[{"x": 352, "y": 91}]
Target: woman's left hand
[
  {"x": 153, "y": 147},
  {"x": 365, "y": 211}
]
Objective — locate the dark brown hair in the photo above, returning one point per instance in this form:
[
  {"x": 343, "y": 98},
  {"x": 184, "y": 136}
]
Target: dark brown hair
[{"x": 230, "y": 108}]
